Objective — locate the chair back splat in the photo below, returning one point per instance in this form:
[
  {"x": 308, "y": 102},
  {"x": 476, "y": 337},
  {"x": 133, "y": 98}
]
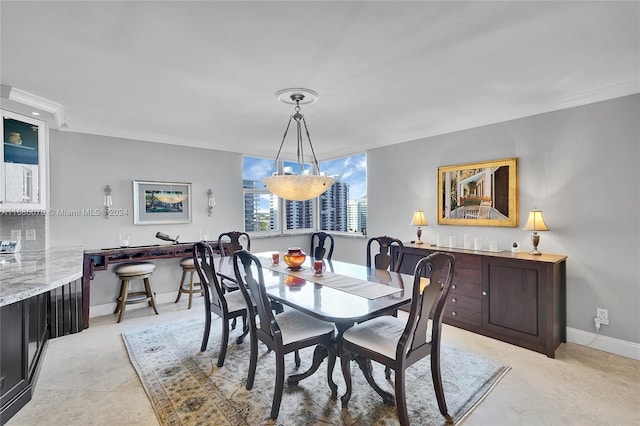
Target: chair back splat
[
  {"x": 230, "y": 242},
  {"x": 383, "y": 259},
  {"x": 318, "y": 249}
]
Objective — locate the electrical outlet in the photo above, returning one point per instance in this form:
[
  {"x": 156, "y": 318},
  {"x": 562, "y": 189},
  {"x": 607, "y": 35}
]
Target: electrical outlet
[
  {"x": 16, "y": 234},
  {"x": 601, "y": 313},
  {"x": 30, "y": 234}
]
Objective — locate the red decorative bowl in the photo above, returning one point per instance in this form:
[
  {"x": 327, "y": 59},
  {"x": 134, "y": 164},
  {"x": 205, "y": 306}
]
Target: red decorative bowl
[{"x": 294, "y": 258}]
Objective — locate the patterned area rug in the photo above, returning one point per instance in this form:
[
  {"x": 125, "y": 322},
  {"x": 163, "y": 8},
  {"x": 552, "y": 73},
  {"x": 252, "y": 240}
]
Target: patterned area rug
[{"x": 187, "y": 388}]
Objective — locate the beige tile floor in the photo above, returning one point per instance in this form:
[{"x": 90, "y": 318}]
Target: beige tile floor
[{"x": 87, "y": 379}]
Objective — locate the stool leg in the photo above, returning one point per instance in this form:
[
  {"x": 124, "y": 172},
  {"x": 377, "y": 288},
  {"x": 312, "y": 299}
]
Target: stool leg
[
  {"x": 184, "y": 274},
  {"x": 190, "y": 289},
  {"x": 152, "y": 299},
  {"x": 123, "y": 299},
  {"x": 119, "y": 300}
]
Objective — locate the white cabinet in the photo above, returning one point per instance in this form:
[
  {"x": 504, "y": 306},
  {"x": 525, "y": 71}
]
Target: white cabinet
[{"x": 23, "y": 167}]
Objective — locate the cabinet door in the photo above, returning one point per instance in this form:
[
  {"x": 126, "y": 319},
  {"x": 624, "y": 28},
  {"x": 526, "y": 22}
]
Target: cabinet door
[
  {"x": 13, "y": 360},
  {"x": 512, "y": 294},
  {"x": 23, "y": 165}
]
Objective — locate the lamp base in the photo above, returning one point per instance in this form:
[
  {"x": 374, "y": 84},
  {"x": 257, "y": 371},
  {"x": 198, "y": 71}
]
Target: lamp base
[
  {"x": 419, "y": 233},
  {"x": 535, "y": 240}
]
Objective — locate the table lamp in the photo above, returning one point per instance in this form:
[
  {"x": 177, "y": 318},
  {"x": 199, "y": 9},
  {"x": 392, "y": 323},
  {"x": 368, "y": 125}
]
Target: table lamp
[
  {"x": 535, "y": 223},
  {"x": 419, "y": 220}
]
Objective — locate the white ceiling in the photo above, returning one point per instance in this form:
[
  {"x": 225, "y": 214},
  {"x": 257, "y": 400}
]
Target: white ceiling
[{"x": 205, "y": 73}]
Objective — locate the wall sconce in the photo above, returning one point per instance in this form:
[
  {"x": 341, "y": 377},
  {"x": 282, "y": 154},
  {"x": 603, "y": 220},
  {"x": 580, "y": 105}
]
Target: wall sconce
[
  {"x": 211, "y": 201},
  {"x": 107, "y": 201},
  {"x": 419, "y": 220},
  {"x": 535, "y": 223}
]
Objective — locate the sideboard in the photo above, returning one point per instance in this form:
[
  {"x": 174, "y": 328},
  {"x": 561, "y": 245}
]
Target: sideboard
[{"x": 514, "y": 297}]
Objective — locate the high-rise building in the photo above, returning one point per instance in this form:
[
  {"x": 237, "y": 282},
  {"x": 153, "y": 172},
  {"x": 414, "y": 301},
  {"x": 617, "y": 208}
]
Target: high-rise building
[
  {"x": 333, "y": 207},
  {"x": 357, "y": 215},
  {"x": 299, "y": 214},
  {"x": 251, "y": 207}
]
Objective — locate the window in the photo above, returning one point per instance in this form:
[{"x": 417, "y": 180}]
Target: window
[
  {"x": 261, "y": 208},
  {"x": 343, "y": 207}
]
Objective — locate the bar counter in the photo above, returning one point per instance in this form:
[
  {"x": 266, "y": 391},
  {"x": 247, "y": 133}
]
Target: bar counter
[{"x": 33, "y": 272}]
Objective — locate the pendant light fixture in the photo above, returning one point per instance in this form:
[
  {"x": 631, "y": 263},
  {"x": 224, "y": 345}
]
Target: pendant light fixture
[{"x": 304, "y": 185}]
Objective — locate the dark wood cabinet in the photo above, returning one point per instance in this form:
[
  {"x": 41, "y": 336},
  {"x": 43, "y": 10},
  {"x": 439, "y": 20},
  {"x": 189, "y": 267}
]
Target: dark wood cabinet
[
  {"x": 514, "y": 297},
  {"x": 24, "y": 337}
]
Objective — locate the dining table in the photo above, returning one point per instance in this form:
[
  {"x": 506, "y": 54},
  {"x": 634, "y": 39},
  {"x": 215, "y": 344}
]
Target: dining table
[{"x": 344, "y": 294}]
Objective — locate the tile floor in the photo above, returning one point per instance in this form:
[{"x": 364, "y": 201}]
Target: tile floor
[{"x": 87, "y": 379}]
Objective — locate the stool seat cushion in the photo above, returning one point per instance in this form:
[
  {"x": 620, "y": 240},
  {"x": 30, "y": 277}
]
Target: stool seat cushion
[
  {"x": 133, "y": 269},
  {"x": 187, "y": 262}
]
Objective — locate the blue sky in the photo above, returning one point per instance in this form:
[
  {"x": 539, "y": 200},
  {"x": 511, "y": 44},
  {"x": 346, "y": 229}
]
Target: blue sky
[{"x": 352, "y": 170}]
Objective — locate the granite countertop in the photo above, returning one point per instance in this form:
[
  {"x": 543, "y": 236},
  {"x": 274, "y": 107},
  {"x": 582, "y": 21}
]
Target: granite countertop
[{"x": 32, "y": 272}]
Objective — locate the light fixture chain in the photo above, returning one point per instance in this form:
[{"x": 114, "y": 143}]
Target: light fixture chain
[
  {"x": 315, "y": 160},
  {"x": 275, "y": 163}
]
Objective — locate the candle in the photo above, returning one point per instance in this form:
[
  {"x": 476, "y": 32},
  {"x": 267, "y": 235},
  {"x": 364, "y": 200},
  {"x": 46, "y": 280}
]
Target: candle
[
  {"x": 468, "y": 241},
  {"x": 440, "y": 241},
  {"x": 477, "y": 244},
  {"x": 453, "y": 241},
  {"x": 493, "y": 246}
]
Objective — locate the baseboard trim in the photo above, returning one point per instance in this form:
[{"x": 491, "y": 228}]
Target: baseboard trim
[
  {"x": 109, "y": 308},
  {"x": 604, "y": 343}
]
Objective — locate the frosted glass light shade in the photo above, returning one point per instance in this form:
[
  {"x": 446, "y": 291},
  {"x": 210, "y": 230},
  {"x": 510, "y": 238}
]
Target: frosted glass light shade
[{"x": 298, "y": 187}]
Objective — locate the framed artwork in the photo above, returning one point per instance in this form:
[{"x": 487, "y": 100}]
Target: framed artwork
[
  {"x": 479, "y": 194},
  {"x": 161, "y": 202}
]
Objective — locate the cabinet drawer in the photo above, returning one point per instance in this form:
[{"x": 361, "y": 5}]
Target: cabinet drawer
[
  {"x": 455, "y": 314},
  {"x": 465, "y": 261},
  {"x": 467, "y": 275},
  {"x": 459, "y": 301},
  {"x": 467, "y": 289}
]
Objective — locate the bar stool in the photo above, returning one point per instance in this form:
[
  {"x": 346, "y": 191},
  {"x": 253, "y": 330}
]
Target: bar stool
[
  {"x": 188, "y": 266},
  {"x": 128, "y": 272}
]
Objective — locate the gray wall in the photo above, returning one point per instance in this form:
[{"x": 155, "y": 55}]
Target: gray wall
[{"x": 578, "y": 165}]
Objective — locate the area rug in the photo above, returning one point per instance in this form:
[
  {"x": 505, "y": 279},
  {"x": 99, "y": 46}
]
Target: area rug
[{"x": 187, "y": 388}]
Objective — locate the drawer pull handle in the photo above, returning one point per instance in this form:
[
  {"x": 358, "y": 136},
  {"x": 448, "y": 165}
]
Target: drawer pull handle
[
  {"x": 484, "y": 293},
  {"x": 454, "y": 286},
  {"x": 454, "y": 300},
  {"x": 454, "y": 313}
]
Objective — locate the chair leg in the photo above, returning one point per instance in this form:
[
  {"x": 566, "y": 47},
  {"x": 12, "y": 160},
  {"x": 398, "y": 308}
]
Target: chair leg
[
  {"x": 331, "y": 363},
  {"x": 401, "y": 398},
  {"x": 245, "y": 330},
  {"x": 207, "y": 328},
  {"x": 437, "y": 382},
  {"x": 253, "y": 360},
  {"x": 123, "y": 299},
  {"x": 277, "y": 393},
  {"x": 387, "y": 372},
  {"x": 224, "y": 342},
  {"x": 296, "y": 356},
  {"x": 345, "y": 361},
  {"x": 152, "y": 298},
  {"x": 184, "y": 274},
  {"x": 190, "y": 289}
]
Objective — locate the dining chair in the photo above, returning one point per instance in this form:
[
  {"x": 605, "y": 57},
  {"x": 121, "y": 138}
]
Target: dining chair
[
  {"x": 227, "y": 306},
  {"x": 383, "y": 259},
  {"x": 228, "y": 243},
  {"x": 317, "y": 245},
  {"x": 397, "y": 343},
  {"x": 282, "y": 333}
]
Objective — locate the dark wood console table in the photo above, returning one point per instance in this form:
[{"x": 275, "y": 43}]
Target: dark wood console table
[
  {"x": 513, "y": 297},
  {"x": 100, "y": 259}
]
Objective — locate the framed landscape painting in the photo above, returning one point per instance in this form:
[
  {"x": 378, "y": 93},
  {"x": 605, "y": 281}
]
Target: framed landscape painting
[
  {"x": 479, "y": 194},
  {"x": 161, "y": 202}
]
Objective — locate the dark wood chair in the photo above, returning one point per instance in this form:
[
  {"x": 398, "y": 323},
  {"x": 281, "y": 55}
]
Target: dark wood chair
[
  {"x": 227, "y": 306},
  {"x": 229, "y": 243},
  {"x": 383, "y": 259},
  {"x": 398, "y": 344},
  {"x": 317, "y": 245},
  {"x": 282, "y": 333}
]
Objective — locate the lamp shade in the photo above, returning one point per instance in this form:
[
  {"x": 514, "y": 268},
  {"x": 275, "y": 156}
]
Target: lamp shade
[
  {"x": 418, "y": 218},
  {"x": 298, "y": 187},
  {"x": 535, "y": 222}
]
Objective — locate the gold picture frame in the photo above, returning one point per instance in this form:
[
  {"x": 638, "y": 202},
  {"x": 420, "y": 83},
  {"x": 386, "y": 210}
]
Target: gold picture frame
[{"x": 479, "y": 194}]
